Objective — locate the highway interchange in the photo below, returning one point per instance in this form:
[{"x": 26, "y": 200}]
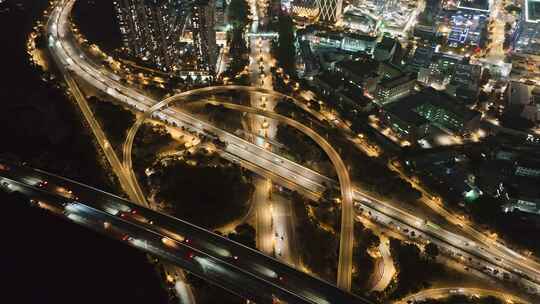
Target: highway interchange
[{"x": 484, "y": 252}]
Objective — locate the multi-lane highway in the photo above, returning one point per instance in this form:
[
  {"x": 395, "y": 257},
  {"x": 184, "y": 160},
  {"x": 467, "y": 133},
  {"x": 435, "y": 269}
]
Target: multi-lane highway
[
  {"x": 347, "y": 212},
  {"x": 264, "y": 131},
  {"x": 522, "y": 268},
  {"x": 441, "y": 293},
  {"x": 242, "y": 270}
]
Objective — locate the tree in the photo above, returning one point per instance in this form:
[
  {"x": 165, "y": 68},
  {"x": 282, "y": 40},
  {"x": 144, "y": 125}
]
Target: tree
[
  {"x": 432, "y": 250},
  {"x": 286, "y": 50},
  {"x": 244, "y": 234},
  {"x": 186, "y": 188},
  {"x": 113, "y": 118},
  {"x": 507, "y": 26},
  {"x": 513, "y": 9},
  {"x": 371, "y": 239},
  {"x": 237, "y": 13}
]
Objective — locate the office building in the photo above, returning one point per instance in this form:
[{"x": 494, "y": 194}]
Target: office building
[
  {"x": 362, "y": 72},
  {"x": 432, "y": 10},
  {"x": 478, "y": 6},
  {"x": 465, "y": 82},
  {"x": 415, "y": 115},
  {"x": 385, "y": 6},
  {"x": 305, "y": 9},
  {"x": 421, "y": 58},
  {"x": 527, "y": 39},
  {"x": 392, "y": 89},
  {"x": 523, "y": 100},
  {"x": 330, "y": 11}
]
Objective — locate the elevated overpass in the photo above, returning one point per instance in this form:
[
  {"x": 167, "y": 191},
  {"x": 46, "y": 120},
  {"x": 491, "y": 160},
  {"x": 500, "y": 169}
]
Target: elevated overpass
[{"x": 237, "y": 268}]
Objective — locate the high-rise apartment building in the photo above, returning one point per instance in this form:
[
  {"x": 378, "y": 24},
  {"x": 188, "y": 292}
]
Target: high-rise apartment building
[
  {"x": 204, "y": 34},
  {"x": 152, "y": 31}
]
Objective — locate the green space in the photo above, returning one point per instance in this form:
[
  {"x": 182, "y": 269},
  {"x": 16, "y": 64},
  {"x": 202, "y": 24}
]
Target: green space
[
  {"x": 238, "y": 17},
  {"x": 202, "y": 189},
  {"x": 319, "y": 247},
  {"x": 286, "y": 51},
  {"x": 206, "y": 293},
  {"x": 149, "y": 140},
  {"x": 376, "y": 177},
  {"x": 364, "y": 264},
  {"x": 302, "y": 148},
  {"x": 244, "y": 234},
  {"x": 415, "y": 269},
  {"x": 115, "y": 120},
  {"x": 224, "y": 118}
]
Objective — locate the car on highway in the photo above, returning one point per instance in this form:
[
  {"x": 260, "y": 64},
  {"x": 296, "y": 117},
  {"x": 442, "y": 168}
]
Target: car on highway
[
  {"x": 42, "y": 184},
  {"x": 169, "y": 242},
  {"x": 135, "y": 216}
]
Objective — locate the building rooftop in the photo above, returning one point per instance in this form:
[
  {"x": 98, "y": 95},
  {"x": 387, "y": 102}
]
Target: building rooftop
[
  {"x": 480, "y": 5},
  {"x": 406, "y": 108},
  {"x": 422, "y": 57},
  {"x": 519, "y": 93},
  {"x": 387, "y": 43},
  {"x": 532, "y": 10},
  {"x": 361, "y": 67},
  {"x": 528, "y": 163},
  {"x": 467, "y": 75},
  {"x": 406, "y": 114},
  {"x": 330, "y": 80},
  {"x": 396, "y": 81}
]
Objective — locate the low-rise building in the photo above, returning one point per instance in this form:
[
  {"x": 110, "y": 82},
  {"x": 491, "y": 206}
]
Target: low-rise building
[
  {"x": 356, "y": 19},
  {"x": 527, "y": 168},
  {"x": 465, "y": 82},
  {"x": 349, "y": 42},
  {"x": 407, "y": 124},
  {"x": 524, "y": 99},
  {"x": 421, "y": 58},
  {"x": 408, "y": 116},
  {"x": 386, "y": 49},
  {"x": 389, "y": 90},
  {"x": 522, "y": 204},
  {"x": 361, "y": 71},
  {"x": 527, "y": 38}
]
